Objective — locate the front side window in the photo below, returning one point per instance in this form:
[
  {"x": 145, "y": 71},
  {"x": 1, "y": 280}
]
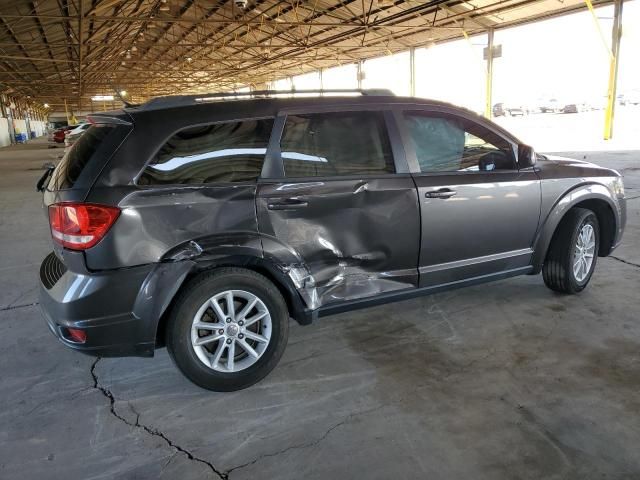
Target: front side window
[
  {"x": 445, "y": 143},
  {"x": 215, "y": 153},
  {"x": 331, "y": 144}
]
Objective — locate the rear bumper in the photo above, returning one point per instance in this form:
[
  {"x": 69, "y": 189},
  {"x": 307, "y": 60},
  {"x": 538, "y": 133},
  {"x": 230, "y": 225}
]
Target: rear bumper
[{"x": 100, "y": 304}]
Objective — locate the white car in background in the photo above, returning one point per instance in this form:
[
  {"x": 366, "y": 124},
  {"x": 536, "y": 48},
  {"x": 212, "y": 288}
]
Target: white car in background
[{"x": 72, "y": 135}]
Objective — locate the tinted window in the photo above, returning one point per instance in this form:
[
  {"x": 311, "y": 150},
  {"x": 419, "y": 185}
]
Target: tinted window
[
  {"x": 221, "y": 152},
  {"x": 76, "y": 159},
  {"x": 445, "y": 143},
  {"x": 345, "y": 143}
]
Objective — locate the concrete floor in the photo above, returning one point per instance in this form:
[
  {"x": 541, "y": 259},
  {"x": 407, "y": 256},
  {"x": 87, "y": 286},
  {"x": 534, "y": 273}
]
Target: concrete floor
[{"x": 501, "y": 381}]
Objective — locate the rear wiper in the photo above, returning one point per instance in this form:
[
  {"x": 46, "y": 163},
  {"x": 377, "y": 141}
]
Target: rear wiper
[{"x": 44, "y": 179}]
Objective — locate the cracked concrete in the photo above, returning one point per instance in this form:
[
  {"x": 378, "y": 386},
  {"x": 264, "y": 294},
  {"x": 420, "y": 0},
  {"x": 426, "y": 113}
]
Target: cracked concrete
[
  {"x": 637, "y": 265},
  {"x": 499, "y": 381},
  {"x": 150, "y": 430}
]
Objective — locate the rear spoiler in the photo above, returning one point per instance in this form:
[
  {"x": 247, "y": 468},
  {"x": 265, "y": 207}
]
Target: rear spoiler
[{"x": 104, "y": 119}]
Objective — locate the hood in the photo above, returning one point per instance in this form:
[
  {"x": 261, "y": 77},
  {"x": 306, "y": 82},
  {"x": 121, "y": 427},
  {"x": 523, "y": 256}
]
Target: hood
[{"x": 567, "y": 167}]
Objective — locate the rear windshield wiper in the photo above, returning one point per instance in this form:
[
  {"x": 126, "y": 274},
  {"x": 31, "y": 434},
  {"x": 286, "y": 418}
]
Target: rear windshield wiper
[{"x": 44, "y": 179}]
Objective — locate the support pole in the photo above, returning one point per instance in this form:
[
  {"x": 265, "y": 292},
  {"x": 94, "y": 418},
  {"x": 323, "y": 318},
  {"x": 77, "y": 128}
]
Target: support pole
[
  {"x": 66, "y": 112},
  {"x": 359, "y": 75},
  {"x": 412, "y": 72},
  {"x": 616, "y": 34},
  {"x": 489, "y": 80},
  {"x": 80, "y": 53}
]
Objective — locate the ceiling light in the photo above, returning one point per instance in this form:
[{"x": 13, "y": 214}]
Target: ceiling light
[
  {"x": 163, "y": 6},
  {"x": 134, "y": 49},
  {"x": 46, "y": 105},
  {"x": 128, "y": 55},
  {"x": 123, "y": 93},
  {"x": 102, "y": 98},
  {"x": 189, "y": 59},
  {"x": 123, "y": 63}
]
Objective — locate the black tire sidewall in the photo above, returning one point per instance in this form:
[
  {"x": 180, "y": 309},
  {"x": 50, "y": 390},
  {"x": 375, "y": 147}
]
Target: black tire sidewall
[
  {"x": 588, "y": 218},
  {"x": 193, "y": 296}
]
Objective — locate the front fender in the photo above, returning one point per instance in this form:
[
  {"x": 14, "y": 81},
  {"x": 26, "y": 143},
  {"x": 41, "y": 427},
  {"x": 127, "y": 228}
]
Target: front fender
[{"x": 571, "y": 198}]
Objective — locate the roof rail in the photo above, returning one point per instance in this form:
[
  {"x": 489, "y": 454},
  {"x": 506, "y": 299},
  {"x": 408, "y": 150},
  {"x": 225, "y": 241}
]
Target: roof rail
[{"x": 181, "y": 100}]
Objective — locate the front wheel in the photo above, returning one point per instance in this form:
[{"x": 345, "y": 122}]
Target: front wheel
[
  {"x": 227, "y": 329},
  {"x": 572, "y": 255}
]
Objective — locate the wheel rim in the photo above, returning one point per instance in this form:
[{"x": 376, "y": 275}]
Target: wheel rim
[
  {"x": 231, "y": 331},
  {"x": 584, "y": 252}
]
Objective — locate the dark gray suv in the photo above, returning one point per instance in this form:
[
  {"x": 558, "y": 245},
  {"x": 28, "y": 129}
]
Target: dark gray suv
[{"x": 205, "y": 223}]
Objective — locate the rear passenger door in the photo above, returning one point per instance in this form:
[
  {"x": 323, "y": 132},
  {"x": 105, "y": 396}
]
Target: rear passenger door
[
  {"x": 479, "y": 210},
  {"x": 340, "y": 196}
]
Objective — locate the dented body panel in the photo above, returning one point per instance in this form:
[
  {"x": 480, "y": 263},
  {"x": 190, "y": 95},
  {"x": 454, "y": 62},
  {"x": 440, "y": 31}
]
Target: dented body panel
[{"x": 354, "y": 237}]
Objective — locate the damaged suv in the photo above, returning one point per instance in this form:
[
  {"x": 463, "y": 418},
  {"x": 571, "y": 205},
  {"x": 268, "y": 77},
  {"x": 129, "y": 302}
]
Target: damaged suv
[{"x": 205, "y": 223}]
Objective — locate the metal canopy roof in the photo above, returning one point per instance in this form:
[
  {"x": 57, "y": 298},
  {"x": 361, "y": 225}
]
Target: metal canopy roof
[{"x": 53, "y": 50}]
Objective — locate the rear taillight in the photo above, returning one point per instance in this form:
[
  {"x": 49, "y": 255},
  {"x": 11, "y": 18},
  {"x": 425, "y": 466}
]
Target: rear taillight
[{"x": 79, "y": 226}]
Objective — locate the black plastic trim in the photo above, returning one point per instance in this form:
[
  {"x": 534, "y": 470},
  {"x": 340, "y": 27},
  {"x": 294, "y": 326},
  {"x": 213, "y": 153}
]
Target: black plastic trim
[{"x": 406, "y": 294}]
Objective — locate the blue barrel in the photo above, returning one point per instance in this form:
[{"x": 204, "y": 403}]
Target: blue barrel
[{"x": 21, "y": 138}]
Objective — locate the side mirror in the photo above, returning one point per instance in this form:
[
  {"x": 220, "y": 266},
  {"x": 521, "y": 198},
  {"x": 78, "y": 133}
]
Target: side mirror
[{"x": 526, "y": 156}]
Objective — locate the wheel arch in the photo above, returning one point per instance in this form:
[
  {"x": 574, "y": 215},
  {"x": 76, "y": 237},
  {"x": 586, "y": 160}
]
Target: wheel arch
[
  {"x": 200, "y": 260},
  {"x": 594, "y": 197}
]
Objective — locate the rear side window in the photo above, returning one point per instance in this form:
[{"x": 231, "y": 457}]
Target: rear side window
[
  {"x": 215, "y": 153},
  {"x": 329, "y": 144},
  {"x": 76, "y": 159}
]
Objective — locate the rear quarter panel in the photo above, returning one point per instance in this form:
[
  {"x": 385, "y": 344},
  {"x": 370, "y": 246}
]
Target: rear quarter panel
[{"x": 155, "y": 220}]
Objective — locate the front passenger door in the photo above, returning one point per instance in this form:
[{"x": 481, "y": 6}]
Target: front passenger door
[
  {"x": 345, "y": 206},
  {"x": 479, "y": 211}
]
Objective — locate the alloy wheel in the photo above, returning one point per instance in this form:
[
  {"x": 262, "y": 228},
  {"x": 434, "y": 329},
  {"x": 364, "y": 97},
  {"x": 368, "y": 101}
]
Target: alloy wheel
[
  {"x": 584, "y": 252},
  {"x": 231, "y": 331}
]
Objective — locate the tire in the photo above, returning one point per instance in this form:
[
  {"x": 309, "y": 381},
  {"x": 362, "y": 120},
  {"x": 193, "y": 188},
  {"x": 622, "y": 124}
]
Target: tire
[
  {"x": 196, "y": 300},
  {"x": 558, "y": 269}
]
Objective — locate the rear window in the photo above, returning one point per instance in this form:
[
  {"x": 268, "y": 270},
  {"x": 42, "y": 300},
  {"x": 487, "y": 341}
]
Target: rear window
[
  {"x": 76, "y": 159},
  {"x": 217, "y": 153}
]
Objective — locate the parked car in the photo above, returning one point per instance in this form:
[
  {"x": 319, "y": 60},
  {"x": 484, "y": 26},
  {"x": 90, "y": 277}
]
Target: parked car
[
  {"x": 576, "y": 107},
  {"x": 71, "y": 136},
  {"x": 630, "y": 98},
  {"x": 503, "y": 109},
  {"x": 550, "y": 106},
  {"x": 57, "y": 136},
  {"x": 204, "y": 225}
]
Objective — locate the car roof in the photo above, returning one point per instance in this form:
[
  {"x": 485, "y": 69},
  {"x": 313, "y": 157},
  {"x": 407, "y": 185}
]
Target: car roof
[{"x": 265, "y": 104}]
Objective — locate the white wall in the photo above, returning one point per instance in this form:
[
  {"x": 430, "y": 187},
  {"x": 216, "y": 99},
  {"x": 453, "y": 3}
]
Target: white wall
[
  {"x": 39, "y": 127},
  {"x": 20, "y": 126},
  {"x": 5, "y": 137}
]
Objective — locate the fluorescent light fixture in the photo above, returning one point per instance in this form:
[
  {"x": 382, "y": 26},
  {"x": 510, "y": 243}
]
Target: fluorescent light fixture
[{"x": 102, "y": 98}]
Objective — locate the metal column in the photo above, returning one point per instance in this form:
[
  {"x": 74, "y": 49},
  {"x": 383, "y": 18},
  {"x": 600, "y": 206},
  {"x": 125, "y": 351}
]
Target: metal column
[
  {"x": 359, "y": 74},
  {"x": 412, "y": 72},
  {"x": 616, "y": 33},
  {"x": 489, "y": 80}
]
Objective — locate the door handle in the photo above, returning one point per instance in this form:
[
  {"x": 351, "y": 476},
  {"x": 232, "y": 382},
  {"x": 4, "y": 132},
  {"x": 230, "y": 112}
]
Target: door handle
[
  {"x": 287, "y": 204},
  {"x": 443, "y": 193}
]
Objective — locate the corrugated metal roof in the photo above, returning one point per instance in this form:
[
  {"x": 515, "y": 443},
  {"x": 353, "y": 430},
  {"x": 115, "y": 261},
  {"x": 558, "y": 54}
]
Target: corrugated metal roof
[{"x": 62, "y": 49}]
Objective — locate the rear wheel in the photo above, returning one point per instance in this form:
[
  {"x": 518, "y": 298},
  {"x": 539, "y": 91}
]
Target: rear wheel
[
  {"x": 228, "y": 329},
  {"x": 572, "y": 255}
]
